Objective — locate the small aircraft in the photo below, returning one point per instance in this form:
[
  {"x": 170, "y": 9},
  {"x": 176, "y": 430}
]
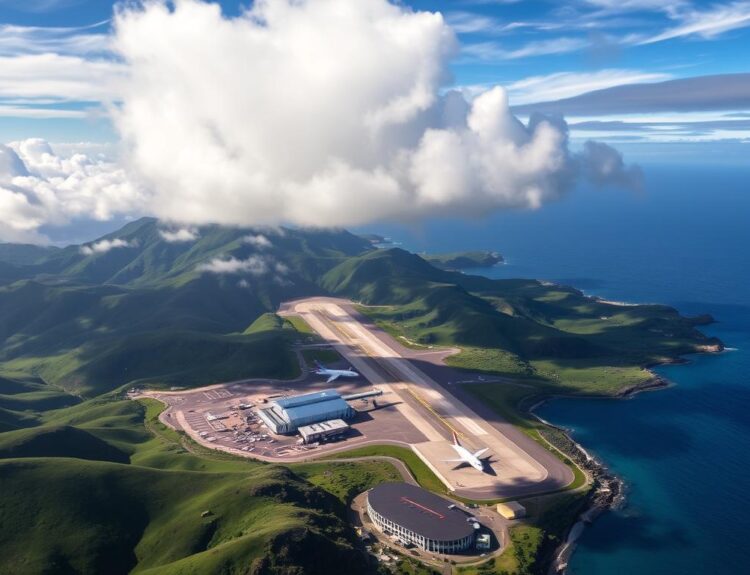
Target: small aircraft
[
  {"x": 466, "y": 456},
  {"x": 334, "y": 373}
]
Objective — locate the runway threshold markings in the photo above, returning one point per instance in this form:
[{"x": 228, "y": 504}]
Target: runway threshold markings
[
  {"x": 407, "y": 411},
  {"x": 410, "y": 374}
]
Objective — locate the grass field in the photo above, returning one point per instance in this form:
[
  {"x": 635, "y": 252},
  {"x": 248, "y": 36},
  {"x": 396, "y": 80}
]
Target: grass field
[
  {"x": 424, "y": 476},
  {"x": 346, "y": 480},
  {"x": 519, "y": 557},
  {"x": 143, "y": 501}
]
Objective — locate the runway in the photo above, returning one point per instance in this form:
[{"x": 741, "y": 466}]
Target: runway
[{"x": 517, "y": 464}]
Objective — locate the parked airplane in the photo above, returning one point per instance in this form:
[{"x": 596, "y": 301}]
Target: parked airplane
[
  {"x": 334, "y": 373},
  {"x": 466, "y": 456}
]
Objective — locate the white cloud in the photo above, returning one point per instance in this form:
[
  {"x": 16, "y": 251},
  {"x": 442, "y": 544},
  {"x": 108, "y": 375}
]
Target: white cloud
[
  {"x": 59, "y": 78},
  {"x": 667, "y": 6},
  {"x": 103, "y": 246},
  {"x": 179, "y": 235},
  {"x": 259, "y": 241},
  {"x": 568, "y": 84},
  {"x": 496, "y": 51},
  {"x": 259, "y": 120},
  {"x": 254, "y": 265},
  {"x": 16, "y": 40},
  {"x": 39, "y": 187},
  {"x": 39, "y": 113},
  {"x": 706, "y": 24}
]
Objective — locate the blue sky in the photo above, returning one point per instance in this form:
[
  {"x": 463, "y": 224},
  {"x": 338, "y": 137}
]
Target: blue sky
[
  {"x": 284, "y": 110},
  {"x": 539, "y": 50}
]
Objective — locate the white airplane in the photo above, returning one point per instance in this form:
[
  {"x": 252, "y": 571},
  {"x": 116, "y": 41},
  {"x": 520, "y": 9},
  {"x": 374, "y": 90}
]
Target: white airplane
[
  {"x": 334, "y": 373},
  {"x": 466, "y": 456}
]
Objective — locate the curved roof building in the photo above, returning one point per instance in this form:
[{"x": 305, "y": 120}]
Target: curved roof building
[
  {"x": 287, "y": 414},
  {"x": 418, "y": 516}
]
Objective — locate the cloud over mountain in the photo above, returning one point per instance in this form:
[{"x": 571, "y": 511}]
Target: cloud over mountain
[
  {"x": 103, "y": 246},
  {"x": 324, "y": 112},
  {"x": 311, "y": 112},
  {"x": 39, "y": 187}
]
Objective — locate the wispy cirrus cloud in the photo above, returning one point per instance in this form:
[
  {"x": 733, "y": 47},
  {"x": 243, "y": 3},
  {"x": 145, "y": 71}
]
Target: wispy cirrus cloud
[
  {"x": 568, "y": 84},
  {"x": 725, "y": 92},
  {"x": 706, "y": 24},
  {"x": 496, "y": 51},
  {"x": 59, "y": 78},
  {"x": 15, "y": 40}
]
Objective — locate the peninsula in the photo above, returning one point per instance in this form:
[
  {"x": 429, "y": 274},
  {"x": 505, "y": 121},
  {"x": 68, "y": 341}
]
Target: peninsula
[{"x": 166, "y": 317}]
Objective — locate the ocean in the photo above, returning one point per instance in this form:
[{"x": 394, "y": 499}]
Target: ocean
[{"x": 683, "y": 452}]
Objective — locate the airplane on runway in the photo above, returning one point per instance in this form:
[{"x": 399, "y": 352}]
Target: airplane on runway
[
  {"x": 334, "y": 373},
  {"x": 466, "y": 456}
]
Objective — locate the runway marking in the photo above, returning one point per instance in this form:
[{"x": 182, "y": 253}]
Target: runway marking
[
  {"x": 347, "y": 332},
  {"x": 406, "y": 410},
  {"x": 435, "y": 413}
]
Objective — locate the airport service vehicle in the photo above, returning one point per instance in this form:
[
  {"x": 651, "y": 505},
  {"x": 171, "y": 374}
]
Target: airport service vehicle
[
  {"x": 466, "y": 456},
  {"x": 334, "y": 374}
]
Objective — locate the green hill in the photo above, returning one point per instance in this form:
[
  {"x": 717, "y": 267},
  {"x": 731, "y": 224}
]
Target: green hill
[
  {"x": 95, "y": 484},
  {"x": 463, "y": 260},
  {"x": 521, "y": 328},
  {"x": 24, "y": 254},
  {"x": 92, "y": 491},
  {"x": 72, "y": 516},
  {"x": 58, "y": 441},
  {"x": 149, "y": 312}
]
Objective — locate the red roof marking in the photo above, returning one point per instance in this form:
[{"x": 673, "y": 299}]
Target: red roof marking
[{"x": 407, "y": 500}]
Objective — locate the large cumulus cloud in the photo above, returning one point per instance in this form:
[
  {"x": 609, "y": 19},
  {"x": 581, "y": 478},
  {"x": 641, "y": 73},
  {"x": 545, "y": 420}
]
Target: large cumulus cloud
[
  {"x": 39, "y": 187},
  {"x": 322, "y": 112},
  {"x": 310, "y": 112}
]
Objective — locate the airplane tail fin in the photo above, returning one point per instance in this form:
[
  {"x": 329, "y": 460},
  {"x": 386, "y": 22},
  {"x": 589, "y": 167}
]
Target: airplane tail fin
[
  {"x": 320, "y": 365},
  {"x": 455, "y": 438}
]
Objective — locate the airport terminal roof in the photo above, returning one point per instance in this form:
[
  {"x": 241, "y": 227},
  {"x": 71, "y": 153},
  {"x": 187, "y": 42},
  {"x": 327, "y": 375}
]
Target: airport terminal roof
[
  {"x": 302, "y": 407},
  {"x": 308, "y": 398},
  {"x": 419, "y": 510}
]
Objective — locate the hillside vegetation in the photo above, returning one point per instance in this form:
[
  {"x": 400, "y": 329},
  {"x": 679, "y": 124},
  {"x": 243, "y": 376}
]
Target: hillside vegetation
[
  {"x": 549, "y": 334},
  {"x": 101, "y": 494},
  {"x": 156, "y": 312},
  {"x": 93, "y": 483},
  {"x": 463, "y": 260}
]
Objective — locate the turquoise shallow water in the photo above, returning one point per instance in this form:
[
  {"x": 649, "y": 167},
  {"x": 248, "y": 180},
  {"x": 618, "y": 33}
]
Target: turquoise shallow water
[{"x": 684, "y": 452}]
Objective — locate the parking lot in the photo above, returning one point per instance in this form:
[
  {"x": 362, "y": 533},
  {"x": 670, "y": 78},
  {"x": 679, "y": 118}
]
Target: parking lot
[{"x": 224, "y": 417}]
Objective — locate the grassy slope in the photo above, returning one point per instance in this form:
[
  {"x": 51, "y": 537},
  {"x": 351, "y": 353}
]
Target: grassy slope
[
  {"x": 144, "y": 513},
  {"x": 545, "y": 339},
  {"x": 518, "y": 328},
  {"x": 146, "y": 314},
  {"x": 463, "y": 260}
]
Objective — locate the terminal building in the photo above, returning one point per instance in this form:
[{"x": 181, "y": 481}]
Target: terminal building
[
  {"x": 324, "y": 431},
  {"x": 287, "y": 415},
  {"x": 419, "y": 517}
]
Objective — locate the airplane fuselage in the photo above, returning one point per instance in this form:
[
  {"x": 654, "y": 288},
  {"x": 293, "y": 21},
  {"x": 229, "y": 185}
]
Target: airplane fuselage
[
  {"x": 333, "y": 374},
  {"x": 468, "y": 457}
]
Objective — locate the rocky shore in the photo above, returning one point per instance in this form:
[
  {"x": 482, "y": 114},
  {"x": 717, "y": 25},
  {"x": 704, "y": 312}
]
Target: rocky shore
[{"x": 607, "y": 490}]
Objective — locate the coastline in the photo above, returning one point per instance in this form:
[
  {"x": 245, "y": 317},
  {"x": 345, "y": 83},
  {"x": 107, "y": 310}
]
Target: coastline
[{"x": 608, "y": 490}]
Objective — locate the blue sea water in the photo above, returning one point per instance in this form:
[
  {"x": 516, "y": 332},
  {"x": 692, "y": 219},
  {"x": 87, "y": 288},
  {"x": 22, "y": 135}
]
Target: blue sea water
[{"x": 684, "y": 452}]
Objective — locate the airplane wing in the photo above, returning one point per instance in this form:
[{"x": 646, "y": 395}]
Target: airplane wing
[
  {"x": 333, "y": 377},
  {"x": 481, "y": 452},
  {"x": 459, "y": 460}
]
